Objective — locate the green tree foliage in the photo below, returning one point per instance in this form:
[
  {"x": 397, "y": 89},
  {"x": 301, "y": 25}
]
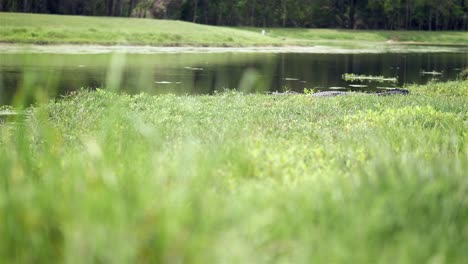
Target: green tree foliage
[{"x": 353, "y": 14}]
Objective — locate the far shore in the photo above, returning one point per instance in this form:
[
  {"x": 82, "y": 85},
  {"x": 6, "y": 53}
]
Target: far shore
[
  {"x": 155, "y": 35},
  {"x": 136, "y": 49}
]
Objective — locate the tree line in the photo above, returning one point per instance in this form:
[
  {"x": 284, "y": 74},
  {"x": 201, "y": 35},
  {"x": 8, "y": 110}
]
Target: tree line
[{"x": 351, "y": 14}]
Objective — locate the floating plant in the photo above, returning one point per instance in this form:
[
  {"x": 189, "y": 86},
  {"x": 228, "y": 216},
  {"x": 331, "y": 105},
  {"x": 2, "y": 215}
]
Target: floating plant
[
  {"x": 362, "y": 78},
  {"x": 430, "y": 73}
]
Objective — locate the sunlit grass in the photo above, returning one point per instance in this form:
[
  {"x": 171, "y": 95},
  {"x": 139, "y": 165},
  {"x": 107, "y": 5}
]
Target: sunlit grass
[
  {"x": 53, "y": 29},
  {"x": 351, "y": 36},
  {"x": 237, "y": 178}
]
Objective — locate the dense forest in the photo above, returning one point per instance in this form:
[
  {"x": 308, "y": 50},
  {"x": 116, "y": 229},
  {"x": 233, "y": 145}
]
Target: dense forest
[{"x": 353, "y": 14}]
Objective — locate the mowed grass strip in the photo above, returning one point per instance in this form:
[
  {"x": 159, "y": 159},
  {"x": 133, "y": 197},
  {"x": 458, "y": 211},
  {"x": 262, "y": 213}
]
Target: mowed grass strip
[
  {"x": 235, "y": 178},
  {"x": 330, "y": 36},
  {"x": 54, "y": 29}
]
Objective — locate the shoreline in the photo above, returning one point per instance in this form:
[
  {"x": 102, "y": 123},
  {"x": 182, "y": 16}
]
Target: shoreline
[{"x": 6, "y": 48}]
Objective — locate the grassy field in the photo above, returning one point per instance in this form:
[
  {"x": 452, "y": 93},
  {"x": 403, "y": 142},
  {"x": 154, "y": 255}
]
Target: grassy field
[
  {"x": 52, "y": 29},
  {"x": 234, "y": 178}
]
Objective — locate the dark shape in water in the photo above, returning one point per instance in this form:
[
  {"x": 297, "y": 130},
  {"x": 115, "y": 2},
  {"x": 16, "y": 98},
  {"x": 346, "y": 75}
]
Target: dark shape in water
[
  {"x": 284, "y": 93},
  {"x": 338, "y": 93}
]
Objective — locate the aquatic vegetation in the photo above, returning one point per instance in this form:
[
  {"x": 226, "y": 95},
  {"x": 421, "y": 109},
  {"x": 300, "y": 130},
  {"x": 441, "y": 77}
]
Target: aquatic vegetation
[
  {"x": 358, "y": 85},
  {"x": 423, "y": 72},
  {"x": 7, "y": 111},
  {"x": 370, "y": 78}
]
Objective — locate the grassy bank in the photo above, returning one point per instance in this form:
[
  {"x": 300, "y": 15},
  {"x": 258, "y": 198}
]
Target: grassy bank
[
  {"x": 233, "y": 178},
  {"x": 52, "y": 29},
  {"x": 330, "y": 36}
]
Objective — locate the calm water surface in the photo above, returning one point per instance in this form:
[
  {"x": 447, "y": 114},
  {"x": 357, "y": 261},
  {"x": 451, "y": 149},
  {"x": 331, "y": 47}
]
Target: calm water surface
[{"x": 205, "y": 73}]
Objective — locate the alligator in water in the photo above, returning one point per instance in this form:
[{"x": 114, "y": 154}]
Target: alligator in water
[
  {"x": 339, "y": 93},
  {"x": 396, "y": 91}
]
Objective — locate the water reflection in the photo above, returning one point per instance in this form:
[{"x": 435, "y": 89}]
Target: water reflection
[{"x": 190, "y": 73}]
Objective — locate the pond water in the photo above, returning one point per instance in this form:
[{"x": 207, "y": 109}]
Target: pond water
[{"x": 204, "y": 73}]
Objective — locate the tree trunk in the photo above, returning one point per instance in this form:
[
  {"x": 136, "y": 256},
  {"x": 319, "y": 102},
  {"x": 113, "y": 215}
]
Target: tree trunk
[
  {"x": 220, "y": 18},
  {"x": 407, "y": 15},
  {"x": 252, "y": 14},
  {"x": 117, "y": 8},
  {"x": 430, "y": 21},
  {"x": 285, "y": 12},
  {"x": 131, "y": 4},
  {"x": 25, "y": 5},
  {"x": 109, "y": 6},
  {"x": 352, "y": 11},
  {"x": 195, "y": 10}
]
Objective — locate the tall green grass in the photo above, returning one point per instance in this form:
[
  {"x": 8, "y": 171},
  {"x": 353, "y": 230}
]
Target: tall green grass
[{"x": 102, "y": 177}]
